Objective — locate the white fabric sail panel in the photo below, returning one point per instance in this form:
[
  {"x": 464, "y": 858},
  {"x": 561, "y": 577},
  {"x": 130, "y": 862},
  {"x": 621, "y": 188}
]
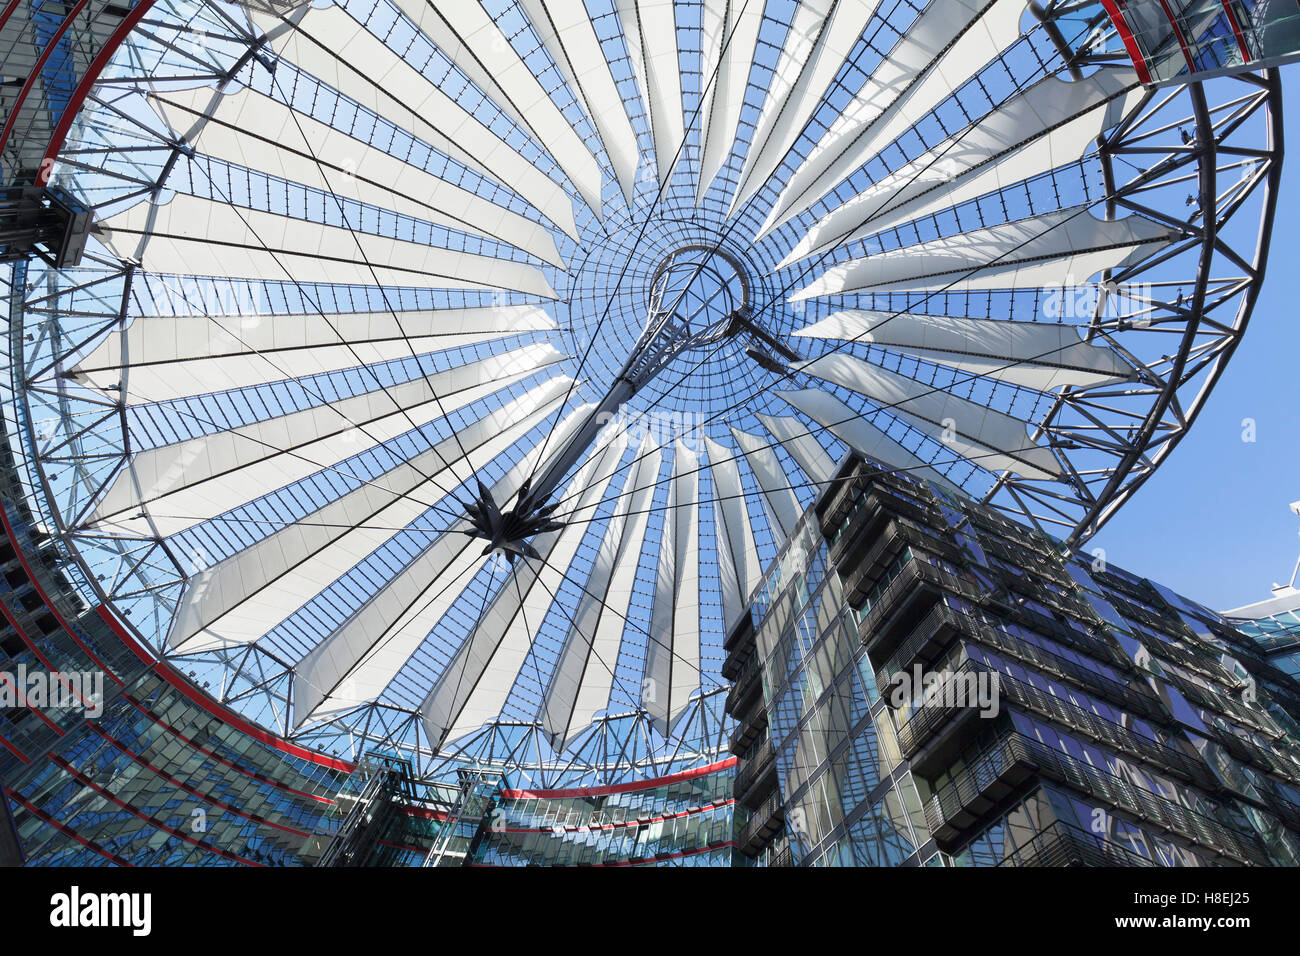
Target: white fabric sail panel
[
  {"x": 1041, "y": 355},
  {"x": 730, "y": 36},
  {"x": 191, "y": 235},
  {"x": 672, "y": 669},
  {"x": 938, "y": 53},
  {"x": 650, "y": 32},
  {"x": 174, "y": 356},
  {"x": 330, "y": 680},
  {"x": 371, "y": 647},
  {"x": 474, "y": 687},
  {"x": 1009, "y": 145},
  {"x": 489, "y": 694},
  {"x": 802, "y": 446},
  {"x": 470, "y": 38},
  {"x": 738, "y": 564},
  {"x": 341, "y": 53},
  {"x": 994, "y": 440},
  {"x": 187, "y": 482},
  {"x": 966, "y": 175},
  {"x": 584, "y": 675},
  {"x": 782, "y": 504},
  {"x": 251, "y": 129},
  {"x": 1043, "y": 378},
  {"x": 859, "y": 434},
  {"x": 568, "y": 35},
  {"x": 240, "y": 598},
  {"x": 821, "y": 37},
  {"x": 274, "y": 21},
  {"x": 1061, "y": 248}
]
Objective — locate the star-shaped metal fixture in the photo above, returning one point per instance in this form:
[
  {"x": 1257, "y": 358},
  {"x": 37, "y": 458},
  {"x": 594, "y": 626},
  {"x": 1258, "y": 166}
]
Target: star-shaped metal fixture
[{"x": 509, "y": 531}]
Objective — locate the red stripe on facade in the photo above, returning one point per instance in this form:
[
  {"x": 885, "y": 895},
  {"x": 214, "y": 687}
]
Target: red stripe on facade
[
  {"x": 8, "y": 615},
  {"x": 1236, "y": 31},
  {"x": 620, "y": 787},
  {"x": 88, "y": 80},
  {"x": 8, "y": 11},
  {"x": 58, "y": 616},
  {"x": 14, "y": 750},
  {"x": 136, "y": 812},
  {"x": 1178, "y": 32},
  {"x": 206, "y": 798},
  {"x": 22, "y": 701},
  {"x": 247, "y": 772},
  {"x": 220, "y": 711},
  {"x": 68, "y": 831},
  {"x": 1129, "y": 41},
  {"x": 36, "y": 68},
  {"x": 13, "y": 622}
]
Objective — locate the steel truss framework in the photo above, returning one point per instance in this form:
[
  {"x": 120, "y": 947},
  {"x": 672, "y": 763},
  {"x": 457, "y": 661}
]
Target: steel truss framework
[{"x": 1190, "y": 171}]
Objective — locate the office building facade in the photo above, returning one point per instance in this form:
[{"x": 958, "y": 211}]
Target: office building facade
[{"x": 925, "y": 682}]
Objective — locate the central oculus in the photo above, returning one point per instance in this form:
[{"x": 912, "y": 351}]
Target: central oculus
[{"x": 698, "y": 296}]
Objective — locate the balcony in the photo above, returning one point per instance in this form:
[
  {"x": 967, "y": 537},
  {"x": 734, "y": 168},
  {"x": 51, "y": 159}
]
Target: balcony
[
  {"x": 935, "y": 631},
  {"x": 1168, "y": 758},
  {"x": 1013, "y": 758},
  {"x": 896, "y": 608},
  {"x": 860, "y": 573},
  {"x": 1046, "y": 563},
  {"x": 853, "y": 524},
  {"x": 1066, "y": 603},
  {"x": 1177, "y": 654},
  {"x": 931, "y": 718},
  {"x": 863, "y": 524},
  {"x": 852, "y": 482},
  {"x": 986, "y": 781},
  {"x": 747, "y": 683},
  {"x": 1171, "y": 628},
  {"x": 840, "y": 500},
  {"x": 904, "y": 601},
  {"x": 1133, "y": 699},
  {"x": 755, "y": 771},
  {"x": 783, "y": 859},
  {"x": 763, "y": 824},
  {"x": 1064, "y": 845},
  {"x": 923, "y": 643},
  {"x": 739, "y": 646},
  {"x": 936, "y": 726},
  {"x": 747, "y": 731}
]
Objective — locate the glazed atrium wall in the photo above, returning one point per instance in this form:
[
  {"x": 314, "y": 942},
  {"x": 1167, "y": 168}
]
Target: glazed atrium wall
[{"x": 685, "y": 819}]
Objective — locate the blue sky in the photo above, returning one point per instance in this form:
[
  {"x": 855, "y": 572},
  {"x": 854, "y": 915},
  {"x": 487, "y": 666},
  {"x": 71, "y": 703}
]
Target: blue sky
[{"x": 1213, "y": 522}]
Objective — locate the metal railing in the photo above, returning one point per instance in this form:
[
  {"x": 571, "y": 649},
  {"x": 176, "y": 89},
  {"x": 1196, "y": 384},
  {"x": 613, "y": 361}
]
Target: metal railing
[
  {"x": 754, "y": 768},
  {"x": 1014, "y": 750},
  {"x": 1043, "y": 659},
  {"x": 1061, "y": 844},
  {"x": 925, "y": 632},
  {"x": 770, "y": 814},
  {"x": 914, "y": 574},
  {"x": 742, "y": 687},
  {"x": 927, "y": 719},
  {"x": 988, "y": 634}
]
